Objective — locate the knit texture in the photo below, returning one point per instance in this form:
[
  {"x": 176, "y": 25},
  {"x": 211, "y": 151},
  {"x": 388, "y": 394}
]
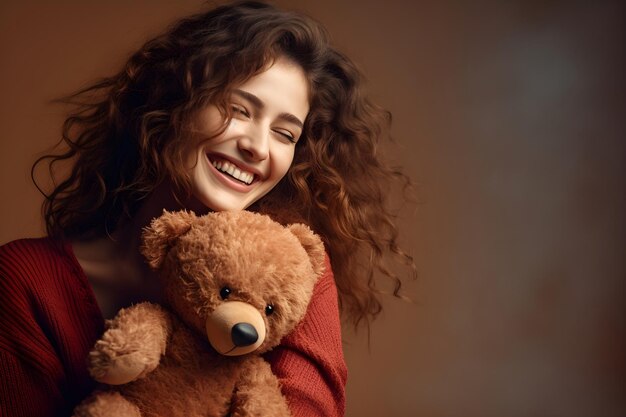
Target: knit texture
[{"x": 49, "y": 320}]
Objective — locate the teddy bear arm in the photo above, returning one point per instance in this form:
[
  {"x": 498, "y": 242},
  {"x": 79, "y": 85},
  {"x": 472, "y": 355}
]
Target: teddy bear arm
[
  {"x": 132, "y": 345},
  {"x": 258, "y": 392}
]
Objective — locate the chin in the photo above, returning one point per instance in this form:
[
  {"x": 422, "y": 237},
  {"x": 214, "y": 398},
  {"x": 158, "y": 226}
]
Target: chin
[{"x": 223, "y": 202}]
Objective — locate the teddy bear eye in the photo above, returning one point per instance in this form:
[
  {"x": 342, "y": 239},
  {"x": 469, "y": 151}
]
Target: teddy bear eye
[
  {"x": 225, "y": 293},
  {"x": 269, "y": 310}
]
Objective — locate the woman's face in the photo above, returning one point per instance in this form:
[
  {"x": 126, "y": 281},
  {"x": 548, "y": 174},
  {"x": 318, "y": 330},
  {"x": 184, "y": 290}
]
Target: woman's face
[{"x": 241, "y": 165}]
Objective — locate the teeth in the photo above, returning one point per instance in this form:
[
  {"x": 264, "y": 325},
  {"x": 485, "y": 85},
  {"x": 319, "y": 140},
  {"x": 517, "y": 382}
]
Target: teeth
[{"x": 233, "y": 171}]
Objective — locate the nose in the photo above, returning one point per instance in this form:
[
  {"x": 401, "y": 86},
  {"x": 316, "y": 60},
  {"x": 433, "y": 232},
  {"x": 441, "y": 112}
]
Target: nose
[
  {"x": 244, "y": 334},
  {"x": 254, "y": 144}
]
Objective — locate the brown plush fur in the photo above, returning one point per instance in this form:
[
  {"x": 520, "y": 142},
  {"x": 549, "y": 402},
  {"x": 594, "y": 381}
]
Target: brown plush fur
[{"x": 159, "y": 359}]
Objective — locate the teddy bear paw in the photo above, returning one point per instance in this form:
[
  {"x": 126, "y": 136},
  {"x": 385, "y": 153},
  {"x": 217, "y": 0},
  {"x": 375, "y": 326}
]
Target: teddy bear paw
[{"x": 116, "y": 370}]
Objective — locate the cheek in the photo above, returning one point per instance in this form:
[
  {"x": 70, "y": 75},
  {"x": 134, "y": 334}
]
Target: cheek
[
  {"x": 208, "y": 121},
  {"x": 190, "y": 158},
  {"x": 282, "y": 160},
  {"x": 204, "y": 143},
  {"x": 209, "y": 128}
]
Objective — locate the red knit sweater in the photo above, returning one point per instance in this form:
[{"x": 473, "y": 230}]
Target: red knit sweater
[{"x": 49, "y": 320}]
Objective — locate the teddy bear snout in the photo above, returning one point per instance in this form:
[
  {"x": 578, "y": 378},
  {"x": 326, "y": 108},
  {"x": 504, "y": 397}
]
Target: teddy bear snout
[{"x": 235, "y": 328}]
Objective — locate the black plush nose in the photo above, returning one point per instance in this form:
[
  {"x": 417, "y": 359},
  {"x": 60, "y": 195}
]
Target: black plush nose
[{"x": 243, "y": 334}]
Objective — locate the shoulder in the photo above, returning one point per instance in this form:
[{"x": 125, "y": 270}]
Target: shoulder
[
  {"x": 31, "y": 250},
  {"x": 43, "y": 294},
  {"x": 326, "y": 283},
  {"x": 324, "y": 305},
  {"x": 25, "y": 263},
  {"x": 321, "y": 327}
]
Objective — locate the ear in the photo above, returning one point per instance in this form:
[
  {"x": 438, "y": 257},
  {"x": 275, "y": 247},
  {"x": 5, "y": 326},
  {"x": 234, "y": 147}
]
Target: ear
[
  {"x": 312, "y": 245},
  {"x": 161, "y": 234}
]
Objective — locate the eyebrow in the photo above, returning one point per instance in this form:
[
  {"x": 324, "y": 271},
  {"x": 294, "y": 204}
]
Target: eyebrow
[{"x": 258, "y": 103}]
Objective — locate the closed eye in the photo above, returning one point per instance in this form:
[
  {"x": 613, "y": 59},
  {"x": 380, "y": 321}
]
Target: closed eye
[
  {"x": 286, "y": 134},
  {"x": 240, "y": 110}
]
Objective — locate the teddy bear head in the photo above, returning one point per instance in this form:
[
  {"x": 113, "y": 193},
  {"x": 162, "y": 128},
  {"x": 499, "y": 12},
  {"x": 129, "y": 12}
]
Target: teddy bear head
[{"x": 241, "y": 278}]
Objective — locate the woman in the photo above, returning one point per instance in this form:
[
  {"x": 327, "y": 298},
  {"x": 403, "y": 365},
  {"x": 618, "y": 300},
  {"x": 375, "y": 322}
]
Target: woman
[{"x": 241, "y": 107}]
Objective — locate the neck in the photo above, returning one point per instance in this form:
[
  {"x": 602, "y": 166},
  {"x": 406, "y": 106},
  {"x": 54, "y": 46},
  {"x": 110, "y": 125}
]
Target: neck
[
  {"x": 114, "y": 265},
  {"x": 127, "y": 237}
]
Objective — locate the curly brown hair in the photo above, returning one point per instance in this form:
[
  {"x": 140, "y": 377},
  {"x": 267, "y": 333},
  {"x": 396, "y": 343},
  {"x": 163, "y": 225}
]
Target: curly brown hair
[{"x": 129, "y": 132}]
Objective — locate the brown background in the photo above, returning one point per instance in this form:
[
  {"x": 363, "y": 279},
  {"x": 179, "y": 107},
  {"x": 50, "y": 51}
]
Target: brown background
[{"x": 506, "y": 115}]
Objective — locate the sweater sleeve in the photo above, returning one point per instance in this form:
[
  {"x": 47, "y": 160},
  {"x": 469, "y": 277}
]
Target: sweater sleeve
[
  {"x": 309, "y": 362},
  {"x": 45, "y": 332}
]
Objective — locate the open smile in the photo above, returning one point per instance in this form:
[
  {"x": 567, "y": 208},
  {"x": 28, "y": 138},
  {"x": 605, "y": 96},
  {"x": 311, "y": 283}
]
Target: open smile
[
  {"x": 230, "y": 169},
  {"x": 235, "y": 175}
]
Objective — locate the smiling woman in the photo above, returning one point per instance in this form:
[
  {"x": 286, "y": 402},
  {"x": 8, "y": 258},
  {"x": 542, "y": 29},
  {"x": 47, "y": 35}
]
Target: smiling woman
[
  {"x": 237, "y": 164},
  {"x": 241, "y": 107}
]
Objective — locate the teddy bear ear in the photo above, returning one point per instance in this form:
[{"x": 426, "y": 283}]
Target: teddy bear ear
[
  {"x": 161, "y": 234},
  {"x": 312, "y": 245}
]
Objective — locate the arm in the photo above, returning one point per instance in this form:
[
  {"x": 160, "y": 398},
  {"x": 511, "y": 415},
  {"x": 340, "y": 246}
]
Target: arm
[
  {"x": 24, "y": 391},
  {"x": 47, "y": 326},
  {"x": 29, "y": 368},
  {"x": 258, "y": 392},
  {"x": 132, "y": 346},
  {"x": 309, "y": 362}
]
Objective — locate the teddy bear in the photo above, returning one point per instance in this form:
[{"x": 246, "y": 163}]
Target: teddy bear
[{"x": 233, "y": 284}]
